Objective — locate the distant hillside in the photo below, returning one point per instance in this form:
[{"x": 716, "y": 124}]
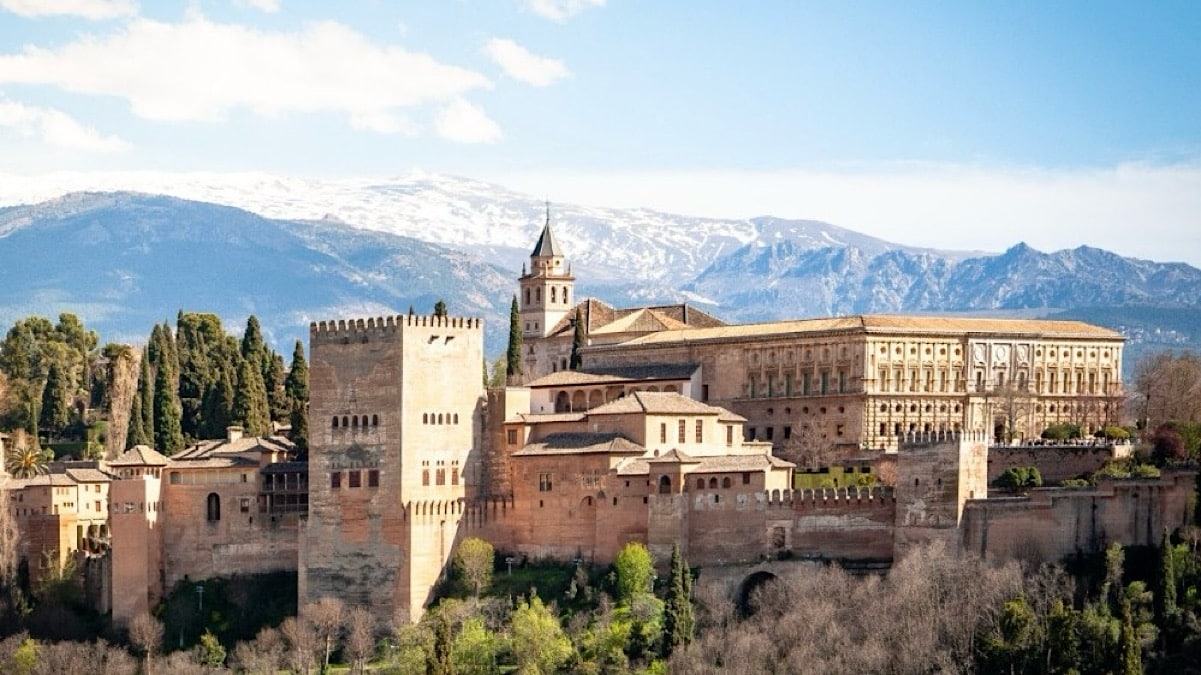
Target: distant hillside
[{"x": 124, "y": 261}]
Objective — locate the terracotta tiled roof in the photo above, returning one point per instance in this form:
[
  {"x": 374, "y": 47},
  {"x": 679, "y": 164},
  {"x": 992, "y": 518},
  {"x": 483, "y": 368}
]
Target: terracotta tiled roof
[
  {"x": 575, "y": 443},
  {"x": 216, "y": 462},
  {"x": 616, "y": 374},
  {"x": 656, "y": 403},
  {"x": 287, "y": 467},
  {"x": 599, "y": 316},
  {"x": 140, "y": 455},
  {"x": 882, "y": 323},
  {"x": 88, "y": 475},
  {"x": 535, "y": 418},
  {"x": 640, "y": 466},
  {"x": 643, "y": 320},
  {"x": 239, "y": 446},
  {"x": 567, "y": 378}
]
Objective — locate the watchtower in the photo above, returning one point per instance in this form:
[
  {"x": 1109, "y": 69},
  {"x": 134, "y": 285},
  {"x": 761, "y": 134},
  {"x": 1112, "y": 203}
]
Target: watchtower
[
  {"x": 395, "y": 417},
  {"x": 547, "y": 289}
]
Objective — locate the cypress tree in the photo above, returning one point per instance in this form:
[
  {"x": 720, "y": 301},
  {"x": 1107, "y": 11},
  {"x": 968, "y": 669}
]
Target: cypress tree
[
  {"x": 277, "y": 393},
  {"x": 1132, "y": 655},
  {"x": 513, "y": 354},
  {"x": 679, "y": 623},
  {"x": 155, "y": 348},
  {"x": 168, "y": 437},
  {"x": 253, "y": 347},
  {"x": 440, "y": 308},
  {"x": 1165, "y": 599},
  {"x": 297, "y": 386},
  {"x": 578, "y": 340},
  {"x": 56, "y": 404},
  {"x": 218, "y": 406},
  {"x": 141, "y": 417},
  {"x": 250, "y": 401}
]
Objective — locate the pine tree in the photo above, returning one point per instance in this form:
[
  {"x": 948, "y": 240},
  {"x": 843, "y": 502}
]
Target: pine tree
[
  {"x": 578, "y": 341},
  {"x": 297, "y": 386},
  {"x": 56, "y": 404},
  {"x": 679, "y": 623},
  {"x": 440, "y": 308},
  {"x": 513, "y": 354},
  {"x": 168, "y": 438},
  {"x": 250, "y": 401}
]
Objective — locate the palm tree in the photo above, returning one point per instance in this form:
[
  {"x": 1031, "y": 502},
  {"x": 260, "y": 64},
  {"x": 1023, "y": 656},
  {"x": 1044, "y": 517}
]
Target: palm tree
[{"x": 25, "y": 462}]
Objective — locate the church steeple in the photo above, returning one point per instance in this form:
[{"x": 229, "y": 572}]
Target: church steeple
[{"x": 547, "y": 289}]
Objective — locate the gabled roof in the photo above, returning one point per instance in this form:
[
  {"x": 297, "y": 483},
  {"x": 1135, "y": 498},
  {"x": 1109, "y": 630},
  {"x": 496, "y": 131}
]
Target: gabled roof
[
  {"x": 616, "y": 374},
  {"x": 640, "y": 466},
  {"x": 656, "y": 403},
  {"x": 643, "y": 320},
  {"x": 547, "y": 246},
  {"x": 140, "y": 455},
  {"x": 575, "y": 443},
  {"x": 672, "y": 456}
]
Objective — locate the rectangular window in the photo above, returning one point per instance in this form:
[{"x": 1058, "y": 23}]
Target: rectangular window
[
  {"x": 805, "y": 384},
  {"x": 544, "y": 482},
  {"x": 355, "y": 478},
  {"x": 704, "y": 392},
  {"x": 244, "y": 505},
  {"x": 842, "y": 381},
  {"x": 769, "y": 432},
  {"x": 787, "y": 432},
  {"x": 97, "y": 506},
  {"x": 663, "y": 432},
  {"x": 373, "y": 478},
  {"x": 700, "y": 434},
  {"x": 425, "y": 477},
  {"x": 682, "y": 431},
  {"x": 512, "y": 436},
  {"x": 788, "y": 384},
  {"x": 335, "y": 480},
  {"x": 454, "y": 475},
  {"x": 746, "y": 477},
  {"x": 440, "y": 477},
  {"x": 825, "y": 382},
  {"x": 729, "y": 434}
]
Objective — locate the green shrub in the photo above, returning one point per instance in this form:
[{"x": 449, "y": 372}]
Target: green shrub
[{"x": 1017, "y": 477}]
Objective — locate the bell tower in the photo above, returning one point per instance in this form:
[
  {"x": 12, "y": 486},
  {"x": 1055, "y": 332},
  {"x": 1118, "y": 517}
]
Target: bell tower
[{"x": 547, "y": 289}]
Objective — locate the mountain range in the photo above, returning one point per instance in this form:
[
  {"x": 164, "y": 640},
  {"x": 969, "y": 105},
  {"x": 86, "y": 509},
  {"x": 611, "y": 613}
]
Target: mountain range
[{"x": 291, "y": 251}]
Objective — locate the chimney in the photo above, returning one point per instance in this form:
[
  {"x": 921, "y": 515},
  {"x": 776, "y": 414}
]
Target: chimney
[{"x": 233, "y": 434}]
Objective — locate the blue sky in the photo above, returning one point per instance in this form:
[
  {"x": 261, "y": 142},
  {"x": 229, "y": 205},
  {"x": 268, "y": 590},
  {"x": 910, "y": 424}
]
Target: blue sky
[{"x": 965, "y": 125}]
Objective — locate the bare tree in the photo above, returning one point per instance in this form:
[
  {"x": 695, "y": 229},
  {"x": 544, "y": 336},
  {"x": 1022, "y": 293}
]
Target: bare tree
[
  {"x": 360, "y": 638},
  {"x": 261, "y": 656},
  {"x": 123, "y": 384},
  {"x": 302, "y": 641},
  {"x": 146, "y": 636},
  {"x": 325, "y": 615},
  {"x": 1168, "y": 388}
]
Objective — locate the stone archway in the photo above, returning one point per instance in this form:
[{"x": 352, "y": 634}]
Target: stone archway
[{"x": 744, "y": 595}]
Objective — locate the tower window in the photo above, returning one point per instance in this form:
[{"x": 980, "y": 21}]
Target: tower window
[
  {"x": 682, "y": 433},
  {"x": 214, "y": 507},
  {"x": 553, "y": 294}
]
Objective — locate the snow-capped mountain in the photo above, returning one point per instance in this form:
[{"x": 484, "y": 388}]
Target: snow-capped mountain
[{"x": 304, "y": 249}]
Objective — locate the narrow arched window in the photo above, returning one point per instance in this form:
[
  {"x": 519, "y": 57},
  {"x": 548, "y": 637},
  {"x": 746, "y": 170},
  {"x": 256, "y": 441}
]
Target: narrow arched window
[
  {"x": 439, "y": 418},
  {"x": 354, "y": 420},
  {"x": 564, "y": 294},
  {"x": 335, "y": 422},
  {"x": 364, "y": 420},
  {"x": 425, "y": 418},
  {"x": 345, "y": 421},
  {"x": 456, "y": 418},
  {"x": 712, "y": 483},
  {"x": 375, "y": 420},
  {"x": 664, "y": 485},
  {"x": 214, "y": 507},
  {"x": 725, "y": 482},
  {"x": 700, "y": 483},
  {"x": 553, "y": 293}
]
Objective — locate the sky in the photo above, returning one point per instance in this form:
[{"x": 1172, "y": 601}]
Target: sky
[{"x": 954, "y": 125}]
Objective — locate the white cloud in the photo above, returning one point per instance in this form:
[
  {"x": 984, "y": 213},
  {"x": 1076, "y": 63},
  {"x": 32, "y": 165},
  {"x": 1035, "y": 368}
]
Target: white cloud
[
  {"x": 1134, "y": 209},
  {"x": 199, "y": 70},
  {"x": 55, "y": 128},
  {"x": 265, "y": 6},
  {"x": 463, "y": 122},
  {"x": 560, "y": 10},
  {"x": 519, "y": 64},
  {"x": 94, "y": 10}
]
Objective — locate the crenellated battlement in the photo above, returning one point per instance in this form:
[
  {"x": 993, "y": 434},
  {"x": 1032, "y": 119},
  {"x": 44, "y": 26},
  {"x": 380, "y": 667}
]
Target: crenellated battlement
[
  {"x": 932, "y": 438},
  {"x": 883, "y": 495},
  {"x": 327, "y": 331}
]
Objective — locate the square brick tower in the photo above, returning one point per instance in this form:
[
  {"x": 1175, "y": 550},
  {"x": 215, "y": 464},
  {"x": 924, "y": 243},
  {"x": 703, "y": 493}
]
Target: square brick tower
[{"x": 395, "y": 419}]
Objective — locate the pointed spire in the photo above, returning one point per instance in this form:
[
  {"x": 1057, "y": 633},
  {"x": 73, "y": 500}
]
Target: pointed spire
[{"x": 547, "y": 247}]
